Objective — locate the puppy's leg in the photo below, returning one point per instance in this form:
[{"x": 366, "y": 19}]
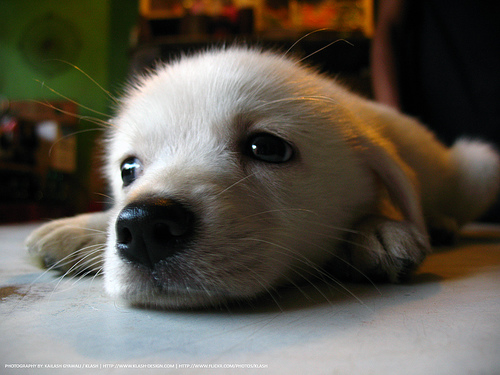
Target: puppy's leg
[
  {"x": 73, "y": 244},
  {"x": 385, "y": 250}
]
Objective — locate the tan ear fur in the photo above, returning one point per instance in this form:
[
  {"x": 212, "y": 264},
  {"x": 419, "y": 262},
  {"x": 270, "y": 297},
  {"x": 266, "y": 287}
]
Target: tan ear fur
[{"x": 396, "y": 177}]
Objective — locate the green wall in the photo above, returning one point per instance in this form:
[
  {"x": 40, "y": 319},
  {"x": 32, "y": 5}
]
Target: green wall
[{"x": 103, "y": 30}]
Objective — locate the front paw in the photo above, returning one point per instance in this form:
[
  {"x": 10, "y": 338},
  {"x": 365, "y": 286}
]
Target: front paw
[
  {"x": 72, "y": 245},
  {"x": 386, "y": 250}
]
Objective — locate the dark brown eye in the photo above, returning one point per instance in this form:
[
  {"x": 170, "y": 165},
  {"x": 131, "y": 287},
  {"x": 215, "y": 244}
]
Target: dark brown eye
[
  {"x": 269, "y": 148},
  {"x": 131, "y": 169}
]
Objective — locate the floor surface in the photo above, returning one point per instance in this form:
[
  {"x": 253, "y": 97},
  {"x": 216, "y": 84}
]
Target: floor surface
[{"x": 445, "y": 321}]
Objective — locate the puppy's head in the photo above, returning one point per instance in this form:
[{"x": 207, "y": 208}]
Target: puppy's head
[{"x": 232, "y": 173}]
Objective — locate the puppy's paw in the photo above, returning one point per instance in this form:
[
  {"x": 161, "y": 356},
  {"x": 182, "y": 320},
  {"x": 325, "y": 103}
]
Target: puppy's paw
[
  {"x": 386, "y": 250},
  {"x": 72, "y": 245}
]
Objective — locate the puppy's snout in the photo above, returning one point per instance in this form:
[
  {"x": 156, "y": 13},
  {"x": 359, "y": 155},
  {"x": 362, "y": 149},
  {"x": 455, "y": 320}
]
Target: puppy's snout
[{"x": 148, "y": 232}]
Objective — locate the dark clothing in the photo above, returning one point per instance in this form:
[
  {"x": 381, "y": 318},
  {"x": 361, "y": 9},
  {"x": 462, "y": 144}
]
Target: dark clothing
[{"x": 449, "y": 70}]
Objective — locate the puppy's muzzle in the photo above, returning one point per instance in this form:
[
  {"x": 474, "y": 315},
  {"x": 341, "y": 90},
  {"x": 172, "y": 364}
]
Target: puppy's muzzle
[{"x": 151, "y": 231}]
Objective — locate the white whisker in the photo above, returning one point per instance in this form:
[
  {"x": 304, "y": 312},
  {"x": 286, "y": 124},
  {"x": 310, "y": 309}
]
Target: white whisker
[
  {"x": 90, "y": 78},
  {"x": 296, "y": 99},
  {"x": 70, "y": 100},
  {"x": 304, "y": 37},
  {"x": 311, "y": 266},
  {"x": 233, "y": 185},
  {"x": 325, "y": 47}
]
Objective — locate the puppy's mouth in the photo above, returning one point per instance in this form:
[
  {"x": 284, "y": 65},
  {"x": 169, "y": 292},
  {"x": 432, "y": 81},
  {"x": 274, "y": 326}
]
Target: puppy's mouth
[
  {"x": 162, "y": 264},
  {"x": 179, "y": 283},
  {"x": 169, "y": 285}
]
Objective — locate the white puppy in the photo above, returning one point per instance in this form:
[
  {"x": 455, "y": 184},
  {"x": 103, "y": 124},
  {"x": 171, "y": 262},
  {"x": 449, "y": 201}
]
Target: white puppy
[{"x": 235, "y": 171}]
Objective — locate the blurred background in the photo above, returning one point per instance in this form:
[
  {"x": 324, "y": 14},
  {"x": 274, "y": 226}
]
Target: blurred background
[{"x": 63, "y": 62}]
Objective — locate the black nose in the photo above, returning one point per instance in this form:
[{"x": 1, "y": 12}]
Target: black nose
[{"x": 151, "y": 231}]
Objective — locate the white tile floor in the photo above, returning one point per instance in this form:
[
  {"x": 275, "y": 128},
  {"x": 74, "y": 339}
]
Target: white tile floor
[{"x": 447, "y": 321}]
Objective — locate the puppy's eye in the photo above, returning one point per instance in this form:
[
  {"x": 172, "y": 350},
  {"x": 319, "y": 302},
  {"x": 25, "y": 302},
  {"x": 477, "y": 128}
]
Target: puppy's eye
[
  {"x": 269, "y": 148},
  {"x": 131, "y": 169}
]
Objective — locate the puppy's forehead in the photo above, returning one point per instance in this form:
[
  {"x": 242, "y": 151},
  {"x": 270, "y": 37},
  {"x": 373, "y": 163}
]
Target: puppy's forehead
[{"x": 212, "y": 86}]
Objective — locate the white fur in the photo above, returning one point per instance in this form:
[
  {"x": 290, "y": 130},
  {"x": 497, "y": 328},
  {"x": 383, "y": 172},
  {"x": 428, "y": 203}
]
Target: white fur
[{"x": 362, "y": 173}]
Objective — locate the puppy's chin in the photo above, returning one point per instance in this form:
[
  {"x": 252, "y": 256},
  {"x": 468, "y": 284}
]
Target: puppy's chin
[
  {"x": 172, "y": 299},
  {"x": 184, "y": 283},
  {"x": 144, "y": 288}
]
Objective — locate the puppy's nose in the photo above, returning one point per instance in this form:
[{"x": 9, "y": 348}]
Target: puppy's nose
[{"x": 151, "y": 231}]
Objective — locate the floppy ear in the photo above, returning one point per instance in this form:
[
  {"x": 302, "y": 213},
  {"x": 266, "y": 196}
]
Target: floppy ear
[{"x": 396, "y": 177}]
